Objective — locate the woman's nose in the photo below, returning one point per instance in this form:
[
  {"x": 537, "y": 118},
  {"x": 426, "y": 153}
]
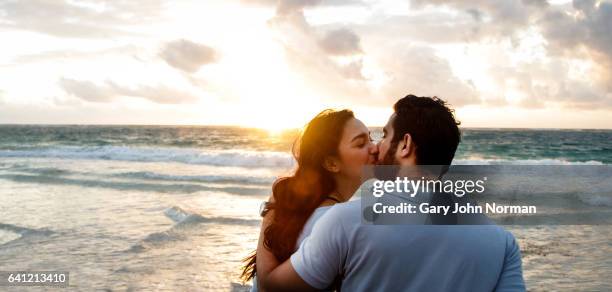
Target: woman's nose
[{"x": 373, "y": 148}]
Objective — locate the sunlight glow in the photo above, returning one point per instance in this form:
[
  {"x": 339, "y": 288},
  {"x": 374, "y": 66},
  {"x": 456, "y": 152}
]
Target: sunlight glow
[{"x": 270, "y": 70}]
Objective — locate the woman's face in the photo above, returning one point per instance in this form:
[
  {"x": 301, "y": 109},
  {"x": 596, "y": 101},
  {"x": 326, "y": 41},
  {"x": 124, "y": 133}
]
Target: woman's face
[{"x": 355, "y": 150}]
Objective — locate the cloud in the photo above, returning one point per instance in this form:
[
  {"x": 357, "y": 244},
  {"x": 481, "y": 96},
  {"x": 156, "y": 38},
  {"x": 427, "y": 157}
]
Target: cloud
[
  {"x": 586, "y": 32},
  {"x": 82, "y": 19},
  {"x": 341, "y": 42},
  {"x": 491, "y": 18},
  {"x": 338, "y": 59},
  {"x": 431, "y": 27},
  {"x": 578, "y": 31},
  {"x": 314, "y": 57},
  {"x": 284, "y": 7},
  {"x": 87, "y": 90},
  {"x": 109, "y": 91},
  {"x": 331, "y": 59},
  {"x": 187, "y": 55},
  {"x": 343, "y": 82},
  {"x": 290, "y": 6},
  {"x": 590, "y": 26},
  {"x": 69, "y": 55},
  {"x": 544, "y": 84},
  {"x": 315, "y": 53},
  {"x": 353, "y": 70},
  {"x": 584, "y": 24},
  {"x": 505, "y": 11},
  {"x": 417, "y": 70}
]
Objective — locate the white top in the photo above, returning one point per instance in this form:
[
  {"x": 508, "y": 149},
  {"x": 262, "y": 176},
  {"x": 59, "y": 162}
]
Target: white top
[{"x": 318, "y": 212}]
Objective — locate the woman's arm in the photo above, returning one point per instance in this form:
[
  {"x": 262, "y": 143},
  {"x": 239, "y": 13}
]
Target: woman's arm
[
  {"x": 266, "y": 261},
  {"x": 268, "y": 267}
]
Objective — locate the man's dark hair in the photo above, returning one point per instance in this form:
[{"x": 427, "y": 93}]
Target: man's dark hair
[{"x": 432, "y": 126}]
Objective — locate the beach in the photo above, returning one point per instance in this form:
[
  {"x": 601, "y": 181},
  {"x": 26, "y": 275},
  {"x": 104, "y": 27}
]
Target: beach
[{"x": 176, "y": 208}]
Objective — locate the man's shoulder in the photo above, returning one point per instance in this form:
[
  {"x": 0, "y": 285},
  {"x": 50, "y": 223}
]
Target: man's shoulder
[
  {"x": 342, "y": 213},
  {"x": 348, "y": 215},
  {"x": 348, "y": 210}
]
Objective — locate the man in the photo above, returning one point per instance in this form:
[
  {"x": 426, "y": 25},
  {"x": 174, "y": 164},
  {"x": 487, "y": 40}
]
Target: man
[{"x": 421, "y": 131}]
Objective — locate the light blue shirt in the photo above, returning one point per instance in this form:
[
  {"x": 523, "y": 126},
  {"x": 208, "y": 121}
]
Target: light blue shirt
[{"x": 407, "y": 257}]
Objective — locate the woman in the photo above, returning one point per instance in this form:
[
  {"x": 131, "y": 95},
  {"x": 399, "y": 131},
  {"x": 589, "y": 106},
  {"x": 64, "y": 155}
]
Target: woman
[{"x": 330, "y": 155}]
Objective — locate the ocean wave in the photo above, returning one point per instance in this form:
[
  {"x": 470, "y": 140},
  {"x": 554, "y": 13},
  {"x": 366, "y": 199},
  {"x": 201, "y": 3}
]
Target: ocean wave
[
  {"x": 181, "y": 188},
  {"x": 499, "y": 161},
  {"x": 562, "y": 218},
  {"x": 183, "y": 217},
  {"x": 183, "y": 221},
  {"x": 46, "y": 171},
  {"x": 562, "y": 200},
  {"x": 235, "y": 157},
  {"x": 177, "y": 214},
  {"x": 596, "y": 200},
  {"x": 240, "y": 158},
  {"x": 199, "y": 178},
  {"x": 564, "y": 195},
  {"x": 10, "y": 233},
  {"x": 145, "y": 175}
]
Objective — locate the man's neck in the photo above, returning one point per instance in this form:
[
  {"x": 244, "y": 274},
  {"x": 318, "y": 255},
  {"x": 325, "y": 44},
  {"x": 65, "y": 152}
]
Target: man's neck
[{"x": 412, "y": 170}]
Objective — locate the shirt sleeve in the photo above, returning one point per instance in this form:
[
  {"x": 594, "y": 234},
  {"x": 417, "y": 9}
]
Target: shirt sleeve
[
  {"x": 321, "y": 255},
  {"x": 511, "y": 278}
]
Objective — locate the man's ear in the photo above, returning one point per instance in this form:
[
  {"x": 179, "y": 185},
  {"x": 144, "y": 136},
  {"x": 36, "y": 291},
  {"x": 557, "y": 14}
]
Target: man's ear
[
  {"x": 406, "y": 146},
  {"x": 331, "y": 164}
]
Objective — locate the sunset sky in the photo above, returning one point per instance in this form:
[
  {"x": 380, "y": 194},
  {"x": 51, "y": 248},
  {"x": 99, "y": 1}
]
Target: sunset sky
[{"x": 275, "y": 64}]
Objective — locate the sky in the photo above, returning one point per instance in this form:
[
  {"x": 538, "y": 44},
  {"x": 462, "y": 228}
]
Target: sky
[{"x": 276, "y": 63}]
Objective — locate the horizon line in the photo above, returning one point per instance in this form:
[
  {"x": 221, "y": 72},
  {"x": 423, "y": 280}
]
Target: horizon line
[{"x": 261, "y": 128}]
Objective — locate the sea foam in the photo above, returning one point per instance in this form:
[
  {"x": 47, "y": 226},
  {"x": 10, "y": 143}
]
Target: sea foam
[{"x": 241, "y": 158}]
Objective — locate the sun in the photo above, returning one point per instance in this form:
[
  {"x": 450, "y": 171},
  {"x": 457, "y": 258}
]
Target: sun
[{"x": 272, "y": 127}]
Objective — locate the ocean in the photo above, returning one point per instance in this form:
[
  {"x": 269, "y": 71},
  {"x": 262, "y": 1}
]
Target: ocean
[{"x": 176, "y": 207}]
